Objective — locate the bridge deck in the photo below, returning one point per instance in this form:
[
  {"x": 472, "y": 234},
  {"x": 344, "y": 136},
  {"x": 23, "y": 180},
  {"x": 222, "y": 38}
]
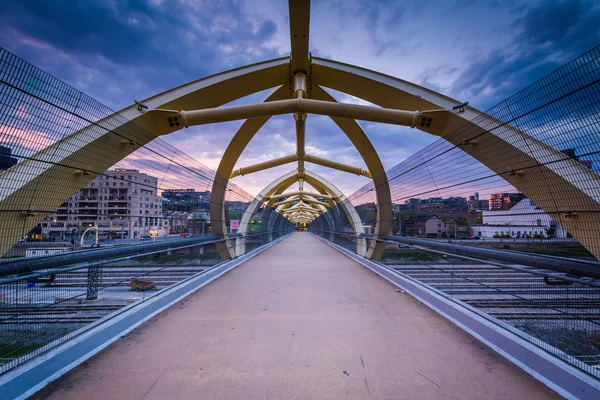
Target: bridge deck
[{"x": 303, "y": 321}]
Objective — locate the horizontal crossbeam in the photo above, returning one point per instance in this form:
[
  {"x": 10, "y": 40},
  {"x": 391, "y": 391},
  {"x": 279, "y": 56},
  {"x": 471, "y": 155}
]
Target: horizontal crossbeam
[
  {"x": 336, "y": 165},
  {"x": 299, "y": 105},
  {"x": 264, "y": 165},
  {"x": 299, "y": 193}
]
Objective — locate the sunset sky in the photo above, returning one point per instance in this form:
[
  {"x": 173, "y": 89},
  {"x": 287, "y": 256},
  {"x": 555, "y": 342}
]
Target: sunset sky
[{"x": 476, "y": 51}]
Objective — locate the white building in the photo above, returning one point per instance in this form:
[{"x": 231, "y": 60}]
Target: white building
[
  {"x": 123, "y": 203},
  {"x": 525, "y": 219}
]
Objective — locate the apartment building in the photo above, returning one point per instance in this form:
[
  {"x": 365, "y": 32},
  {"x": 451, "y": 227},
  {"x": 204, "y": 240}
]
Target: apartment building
[{"x": 120, "y": 203}]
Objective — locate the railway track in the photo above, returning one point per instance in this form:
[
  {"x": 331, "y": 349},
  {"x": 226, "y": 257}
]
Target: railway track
[
  {"x": 62, "y": 302},
  {"x": 507, "y": 294}
]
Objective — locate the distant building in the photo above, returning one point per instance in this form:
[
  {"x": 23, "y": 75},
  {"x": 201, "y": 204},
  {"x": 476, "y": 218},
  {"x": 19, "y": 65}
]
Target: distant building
[
  {"x": 431, "y": 226},
  {"x": 6, "y": 161},
  {"x": 178, "y": 222},
  {"x": 525, "y": 219},
  {"x": 198, "y": 222},
  {"x": 504, "y": 201},
  {"x": 476, "y": 204},
  {"x": 236, "y": 205},
  {"x": 120, "y": 203},
  {"x": 186, "y": 194},
  {"x": 413, "y": 204}
]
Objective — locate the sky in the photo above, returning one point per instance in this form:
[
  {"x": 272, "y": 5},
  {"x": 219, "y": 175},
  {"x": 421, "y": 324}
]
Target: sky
[{"x": 476, "y": 51}]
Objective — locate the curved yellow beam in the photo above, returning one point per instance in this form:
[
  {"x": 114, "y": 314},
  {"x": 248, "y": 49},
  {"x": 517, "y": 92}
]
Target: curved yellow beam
[
  {"x": 31, "y": 184},
  {"x": 573, "y": 184},
  {"x": 230, "y": 157},
  {"x": 284, "y": 182},
  {"x": 367, "y": 151}
]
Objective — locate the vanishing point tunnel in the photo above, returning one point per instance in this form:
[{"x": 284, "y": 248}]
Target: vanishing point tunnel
[{"x": 400, "y": 290}]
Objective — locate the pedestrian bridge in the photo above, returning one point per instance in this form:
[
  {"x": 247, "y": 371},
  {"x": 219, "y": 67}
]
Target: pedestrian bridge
[
  {"x": 384, "y": 293},
  {"x": 299, "y": 320}
]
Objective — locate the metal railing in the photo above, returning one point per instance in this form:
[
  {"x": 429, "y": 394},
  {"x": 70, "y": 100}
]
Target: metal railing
[
  {"x": 45, "y": 307},
  {"x": 557, "y": 311}
]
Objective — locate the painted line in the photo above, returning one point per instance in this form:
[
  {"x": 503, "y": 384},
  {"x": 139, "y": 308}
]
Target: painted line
[
  {"x": 555, "y": 373},
  {"x": 34, "y": 375}
]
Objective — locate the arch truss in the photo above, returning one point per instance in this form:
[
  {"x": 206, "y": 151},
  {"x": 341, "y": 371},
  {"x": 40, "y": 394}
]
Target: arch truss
[
  {"x": 298, "y": 85},
  {"x": 301, "y": 206}
]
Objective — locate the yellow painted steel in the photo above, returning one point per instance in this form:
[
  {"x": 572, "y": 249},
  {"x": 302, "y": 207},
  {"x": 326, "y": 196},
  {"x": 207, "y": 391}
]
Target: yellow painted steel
[{"x": 297, "y": 82}]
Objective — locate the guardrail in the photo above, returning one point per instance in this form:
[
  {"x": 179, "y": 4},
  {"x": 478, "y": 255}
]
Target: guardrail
[{"x": 61, "y": 297}]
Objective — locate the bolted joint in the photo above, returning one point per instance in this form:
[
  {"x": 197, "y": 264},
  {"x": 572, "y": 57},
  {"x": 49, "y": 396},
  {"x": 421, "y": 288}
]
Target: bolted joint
[
  {"x": 175, "y": 121},
  {"x": 129, "y": 142},
  {"x": 568, "y": 214},
  {"x": 512, "y": 172},
  {"x": 300, "y": 117},
  {"x": 29, "y": 213},
  {"x": 83, "y": 172}
]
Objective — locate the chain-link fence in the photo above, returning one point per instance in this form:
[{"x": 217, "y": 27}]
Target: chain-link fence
[
  {"x": 42, "y": 309},
  {"x": 525, "y": 259}
]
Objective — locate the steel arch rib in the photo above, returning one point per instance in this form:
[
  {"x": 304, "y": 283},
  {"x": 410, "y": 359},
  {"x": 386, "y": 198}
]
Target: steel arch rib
[
  {"x": 30, "y": 185},
  {"x": 285, "y": 181},
  {"x": 232, "y": 154},
  {"x": 367, "y": 151},
  {"x": 544, "y": 166}
]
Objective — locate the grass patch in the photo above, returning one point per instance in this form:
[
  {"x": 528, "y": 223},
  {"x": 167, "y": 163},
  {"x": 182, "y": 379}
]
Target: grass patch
[{"x": 19, "y": 342}]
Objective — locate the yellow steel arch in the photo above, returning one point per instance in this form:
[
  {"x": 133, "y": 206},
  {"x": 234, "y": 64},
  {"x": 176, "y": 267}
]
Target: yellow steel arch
[
  {"x": 284, "y": 182},
  {"x": 299, "y": 81}
]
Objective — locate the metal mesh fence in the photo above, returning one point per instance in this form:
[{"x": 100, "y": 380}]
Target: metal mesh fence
[
  {"x": 541, "y": 198},
  {"x": 83, "y": 238},
  {"x": 41, "y": 310},
  {"x": 516, "y": 238},
  {"x": 56, "y": 181}
]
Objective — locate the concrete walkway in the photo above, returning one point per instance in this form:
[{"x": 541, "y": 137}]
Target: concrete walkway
[{"x": 298, "y": 321}]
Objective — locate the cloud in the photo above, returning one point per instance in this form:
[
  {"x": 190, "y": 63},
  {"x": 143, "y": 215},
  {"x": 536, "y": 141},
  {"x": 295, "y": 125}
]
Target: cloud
[
  {"x": 548, "y": 34},
  {"x": 476, "y": 51}
]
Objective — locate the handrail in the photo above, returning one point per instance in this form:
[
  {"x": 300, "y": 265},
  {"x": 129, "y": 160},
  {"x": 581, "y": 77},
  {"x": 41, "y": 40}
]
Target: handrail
[
  {"x": 573, "y": 267},
  {"x": 88, "y": 257}
]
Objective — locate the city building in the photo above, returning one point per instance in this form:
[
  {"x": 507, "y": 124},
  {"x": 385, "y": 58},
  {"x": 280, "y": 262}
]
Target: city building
[
  {"x": 413, "y": 204},
  {"x": 504, "y": 201},
  {"x": 178, "y": 221},
  {"x": 523, "y": 220},
  {"x": 475, "y": 203},
  {"x": 123, "y": 203},
  {"x": 236, "y": 205},
  {"x": 198, "y": 222},
  {"x": 185, "y": 200},
  {"x": 431, "y": 226}
]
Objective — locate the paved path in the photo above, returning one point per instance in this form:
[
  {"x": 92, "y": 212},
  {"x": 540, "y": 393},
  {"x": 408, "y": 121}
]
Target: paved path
[{"x": 299, "y": 321}]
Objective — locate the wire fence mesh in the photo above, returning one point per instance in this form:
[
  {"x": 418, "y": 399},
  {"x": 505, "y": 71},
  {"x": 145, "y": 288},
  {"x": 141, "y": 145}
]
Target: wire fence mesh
[
  {"x": 515, "y": 234},
  {"x": 83, "y": 238},
  {"x": 56, "y": 180},
  {"x": 41, "y": 310}
]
